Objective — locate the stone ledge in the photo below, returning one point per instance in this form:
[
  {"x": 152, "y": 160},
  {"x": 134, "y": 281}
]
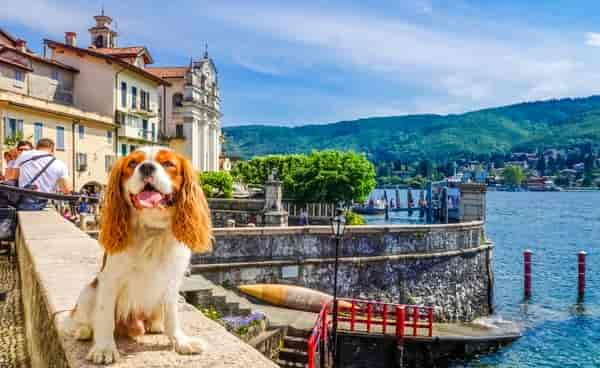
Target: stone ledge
[
  {"x": 358, "y": 229},
  {"x": 211, "y": 267},
  {"x": 56, "y": 260}
]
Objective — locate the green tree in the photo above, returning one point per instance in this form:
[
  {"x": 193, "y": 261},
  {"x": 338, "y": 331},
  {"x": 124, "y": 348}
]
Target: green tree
[
  {"x": 333, "y": 177},
  {"x": 216, "y": 184},
  {"x": 257, "y": 170},
  {"x": 513, "y": 175},
  {"x": 322, "y": 176}
]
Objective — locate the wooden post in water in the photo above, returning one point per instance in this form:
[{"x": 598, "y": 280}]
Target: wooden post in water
[
  {"x": 527, "y": 280},
  {"x": 581, "y": 276}
]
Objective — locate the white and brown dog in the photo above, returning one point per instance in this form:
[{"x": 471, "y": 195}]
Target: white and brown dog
[{"x": 154, "y": 215}]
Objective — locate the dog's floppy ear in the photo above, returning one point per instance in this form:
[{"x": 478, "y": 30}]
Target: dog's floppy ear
[
  {"x": 114, "y": 217},
  {"x": 192, "y": 224}
]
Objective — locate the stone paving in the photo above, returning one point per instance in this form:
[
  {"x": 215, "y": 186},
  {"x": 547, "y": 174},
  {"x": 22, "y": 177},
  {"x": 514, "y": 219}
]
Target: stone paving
[{"x": 13, "y": 353}]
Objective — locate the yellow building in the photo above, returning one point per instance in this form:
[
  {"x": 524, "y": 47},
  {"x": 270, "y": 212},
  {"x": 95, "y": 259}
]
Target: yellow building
[{"x": 37, "y": 100}]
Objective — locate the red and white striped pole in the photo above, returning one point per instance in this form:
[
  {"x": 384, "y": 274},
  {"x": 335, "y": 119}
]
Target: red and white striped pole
[
  {"x": 527, "y": 280},
  {"x": 581, "y": 275}
]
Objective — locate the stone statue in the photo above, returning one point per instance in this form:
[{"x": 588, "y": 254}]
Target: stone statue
[{"x": 273, "y": 174}]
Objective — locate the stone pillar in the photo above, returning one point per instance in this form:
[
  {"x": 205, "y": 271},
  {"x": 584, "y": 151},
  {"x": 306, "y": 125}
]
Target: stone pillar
[
  {"x": 203, "y": 147},
  {"x": 274, "y": 214},
  {"x": 472, "y": 202}
]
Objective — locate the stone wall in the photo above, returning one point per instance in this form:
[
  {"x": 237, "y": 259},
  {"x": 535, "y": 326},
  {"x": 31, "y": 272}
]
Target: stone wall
[
  {"x": 56, "y": 260},
  {"x": 242, "y": 211},
  {"x": 447, "y": 266}
]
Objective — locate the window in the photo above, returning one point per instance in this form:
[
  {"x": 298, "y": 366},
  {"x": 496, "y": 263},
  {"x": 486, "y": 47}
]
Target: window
[
  {"x": 179, "y": 131},
  {"x": 109, "y": 135},
  {"x": 13, "y": 127},
  {"x": 133, "y": 97},
  {"x": 19, "y": 75},
  {"x": 60, "y": 138},
  {"x": 143, "y": 95},
  {"x": 55, "y": 75},
  {"x": 132, "y": 148},
  {"x": 81, "y": 129},
  {"x": 109, "y": 161},
  {"x": 153, "y": 137},
  {"x": 81, "y": 162},
  {"x": 145, "y": 128},
  {"x": 123, "y": 94},
  {"x": 37, "y": 132},
  {"x": 99, "y": 42},
  {"x": 177, "y": 100},
  {"x": 123, "y": 149}
]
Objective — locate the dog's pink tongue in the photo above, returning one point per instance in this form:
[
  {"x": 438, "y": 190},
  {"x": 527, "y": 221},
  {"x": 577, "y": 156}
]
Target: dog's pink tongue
[{"x": 149, "y": 199}]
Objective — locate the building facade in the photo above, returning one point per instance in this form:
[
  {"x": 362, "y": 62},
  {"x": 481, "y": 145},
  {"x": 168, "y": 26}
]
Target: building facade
[
  {"x": 100, "y": 101},
  {"x": 113, "y": 81},
  {"x": 192, "y": 111},
  {"x": 37, "y": 101}
]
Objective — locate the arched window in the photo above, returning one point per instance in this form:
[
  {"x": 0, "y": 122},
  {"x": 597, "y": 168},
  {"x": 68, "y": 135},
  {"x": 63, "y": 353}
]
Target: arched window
[
  {"x": 177, "y": 100},
  {"x": 99, "y": 42}
]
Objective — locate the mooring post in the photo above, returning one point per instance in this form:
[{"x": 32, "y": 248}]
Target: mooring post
[
  {"x": 527, "y": 280},
  {"x": 581, "y": 274}
]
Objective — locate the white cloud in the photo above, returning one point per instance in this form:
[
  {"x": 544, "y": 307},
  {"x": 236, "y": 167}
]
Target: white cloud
[
  {"x": 592, "y": 39},
  {"x": 461, "y": 66},
  {"x": 44, "y": 15}
]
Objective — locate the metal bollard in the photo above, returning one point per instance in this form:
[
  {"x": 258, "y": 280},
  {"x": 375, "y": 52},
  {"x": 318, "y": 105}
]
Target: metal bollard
[{"x": 527, "y": 280}]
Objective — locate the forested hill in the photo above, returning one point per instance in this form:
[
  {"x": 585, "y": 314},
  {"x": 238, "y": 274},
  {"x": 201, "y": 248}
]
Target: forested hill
[{"x": 524, "y": 126}]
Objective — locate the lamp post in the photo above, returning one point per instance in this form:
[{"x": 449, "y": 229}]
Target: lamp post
[{"x": 338, "y": 226}]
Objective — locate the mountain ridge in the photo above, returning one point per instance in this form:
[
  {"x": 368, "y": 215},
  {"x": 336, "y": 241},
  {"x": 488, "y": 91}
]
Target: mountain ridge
[{"x": 563, "y": 121}]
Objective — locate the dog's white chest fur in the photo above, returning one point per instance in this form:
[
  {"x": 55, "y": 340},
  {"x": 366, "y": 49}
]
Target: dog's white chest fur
[{"x": 146, "y": 274}]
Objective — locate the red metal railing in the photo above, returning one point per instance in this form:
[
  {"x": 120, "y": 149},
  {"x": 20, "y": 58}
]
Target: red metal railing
[
  {"x": 370, "y": 317},
  {"x": 318, "y": 336}
]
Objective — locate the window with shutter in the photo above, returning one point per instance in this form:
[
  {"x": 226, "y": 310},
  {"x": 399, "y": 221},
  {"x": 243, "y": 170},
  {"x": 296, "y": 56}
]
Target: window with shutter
[
  {"x": 133, "y": 97},
  {"x": 60, "y": 138},
  {"x": 123, "y": 94},
  {"x": 81, "y": 161},
  {"x": 37, "y": 132}
]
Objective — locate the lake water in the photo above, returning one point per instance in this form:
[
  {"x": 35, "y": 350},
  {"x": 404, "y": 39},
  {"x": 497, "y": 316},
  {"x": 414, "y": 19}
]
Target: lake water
[{"x": 556, "y": 226}]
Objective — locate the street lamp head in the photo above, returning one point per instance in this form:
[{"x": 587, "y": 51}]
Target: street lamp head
[{"x": 338, "y": 223}]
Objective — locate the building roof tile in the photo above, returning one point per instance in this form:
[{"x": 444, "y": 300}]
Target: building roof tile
[
  {"x": 169, "y": 71},
  {"x": 110, "y": 58}
]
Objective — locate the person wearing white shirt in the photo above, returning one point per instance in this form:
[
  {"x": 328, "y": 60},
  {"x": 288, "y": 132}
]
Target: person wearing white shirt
[{"x": 54, "y": 175}]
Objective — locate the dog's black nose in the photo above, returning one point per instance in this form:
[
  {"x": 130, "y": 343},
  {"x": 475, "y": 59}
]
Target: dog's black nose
[{"x": 146, "y": 169}]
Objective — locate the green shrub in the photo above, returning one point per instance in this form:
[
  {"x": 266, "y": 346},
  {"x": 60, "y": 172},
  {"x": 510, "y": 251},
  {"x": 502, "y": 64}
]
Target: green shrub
[
  {"x": 218, "y": 184},
  {"x": 353, "y": 218}
]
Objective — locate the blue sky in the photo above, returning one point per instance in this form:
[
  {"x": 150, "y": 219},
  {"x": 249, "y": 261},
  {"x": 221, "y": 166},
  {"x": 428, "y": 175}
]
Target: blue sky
[{"x": 298, "y": 62}]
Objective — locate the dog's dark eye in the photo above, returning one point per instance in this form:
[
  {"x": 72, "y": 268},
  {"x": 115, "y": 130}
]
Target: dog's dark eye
[
  {"x": 168, "y": 164},
  {"x": 132, "y": 164}
]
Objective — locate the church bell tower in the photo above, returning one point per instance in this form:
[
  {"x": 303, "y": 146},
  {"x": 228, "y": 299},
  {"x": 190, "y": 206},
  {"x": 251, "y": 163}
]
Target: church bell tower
[{"x": 102, "y": 36}]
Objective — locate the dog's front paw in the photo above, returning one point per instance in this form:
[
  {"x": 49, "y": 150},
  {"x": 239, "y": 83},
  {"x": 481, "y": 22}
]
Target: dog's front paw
[
  {"x": 189, "y": 345},
  {"x": 103, "y": 354},
  {"x": 84, "y": 332}
]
